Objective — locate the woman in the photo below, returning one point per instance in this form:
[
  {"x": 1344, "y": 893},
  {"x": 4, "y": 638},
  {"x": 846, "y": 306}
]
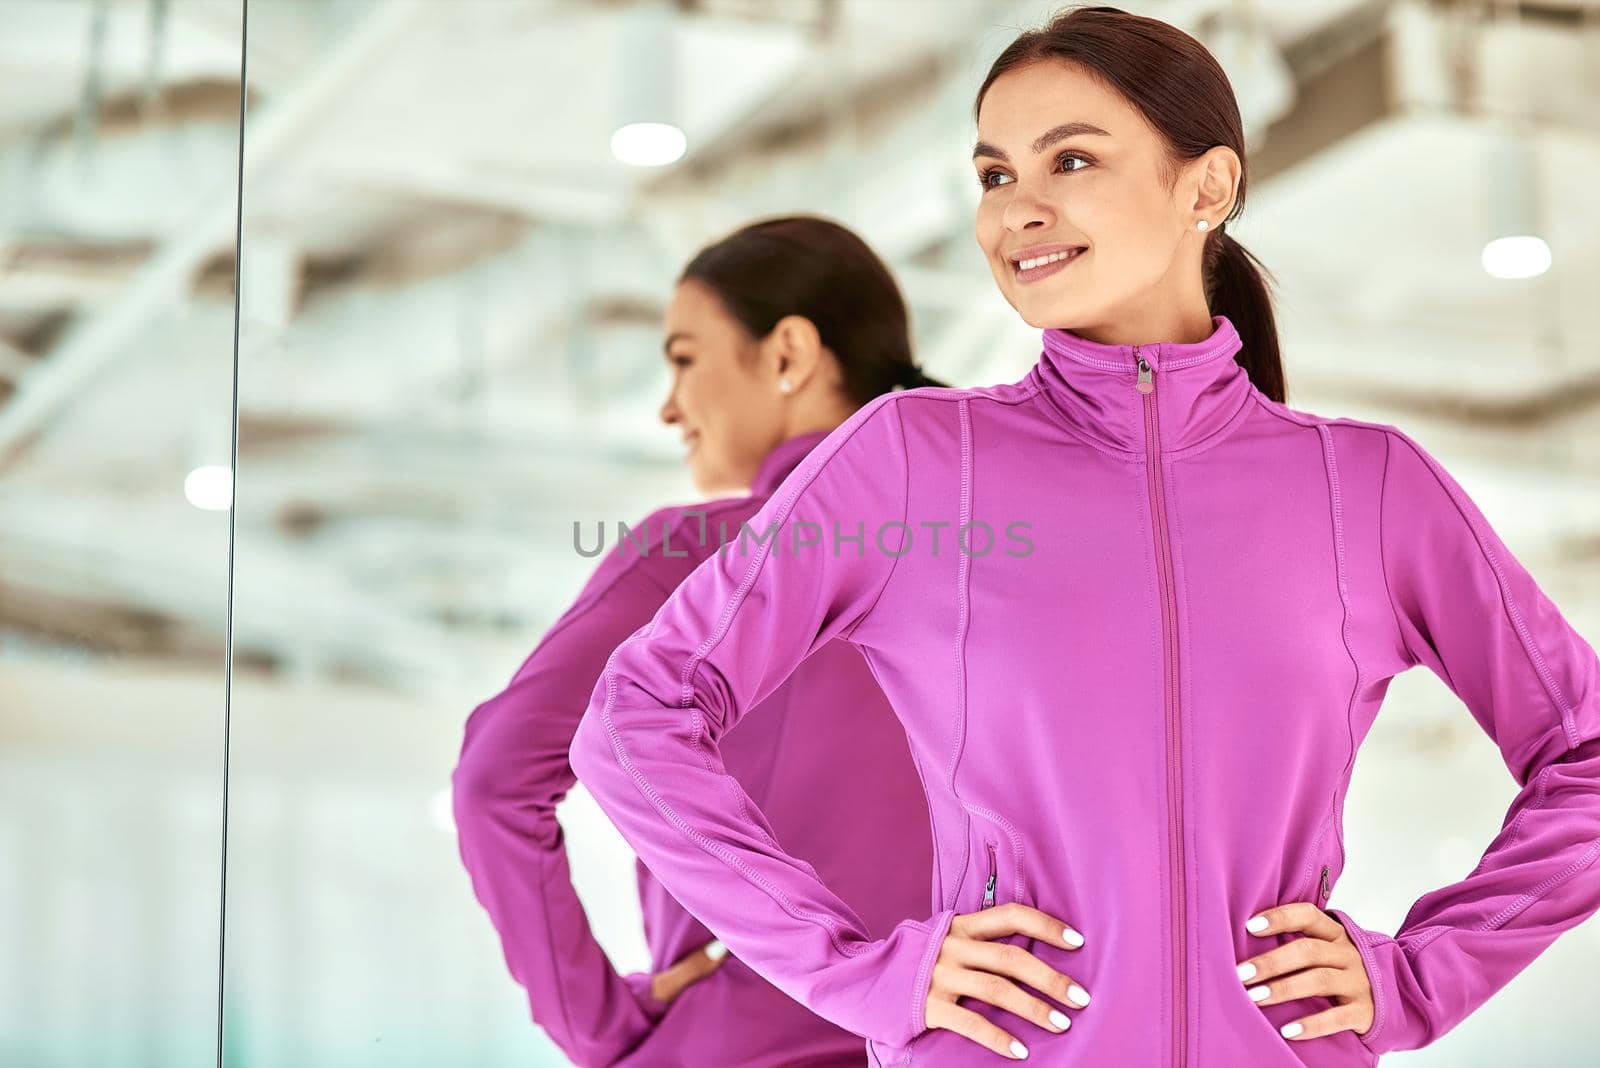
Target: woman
[
  {"x": 1142, "y": 726},
  {"x": 775, "y": 335}
]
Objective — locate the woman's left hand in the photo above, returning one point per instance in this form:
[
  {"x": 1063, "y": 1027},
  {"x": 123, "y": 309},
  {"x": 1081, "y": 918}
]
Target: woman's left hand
[{"x": 1324, "y": 963}]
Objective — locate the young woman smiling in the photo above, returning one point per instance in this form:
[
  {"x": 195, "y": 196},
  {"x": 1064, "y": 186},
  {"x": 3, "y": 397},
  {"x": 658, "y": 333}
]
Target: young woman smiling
[
  {"x": 775, "y": 335},
  {"x": 1137, "y": 739}
]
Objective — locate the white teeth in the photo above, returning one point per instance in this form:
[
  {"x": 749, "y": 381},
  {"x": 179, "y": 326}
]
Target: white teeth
[{"x": 1028, "y": 265}]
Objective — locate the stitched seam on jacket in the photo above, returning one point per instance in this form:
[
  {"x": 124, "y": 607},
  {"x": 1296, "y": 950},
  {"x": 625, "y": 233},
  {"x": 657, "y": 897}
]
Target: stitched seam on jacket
[
  {"x": 963, "y": 574},
  {"x": 1059, "y": 417},
  {"x": 905, "y": 512},
  {"x": 1367, "y": 947},
  {"x": 930, "y": 954},
  {"x": 1336, "y": 515},
  {"x": 1505, "y": 915},
  {"x": 644, "y": 786},
  {"x": 1217, "y": 436},
  {"x": 1383, "y": 563},
  {"x": 1535, "y": 656}
]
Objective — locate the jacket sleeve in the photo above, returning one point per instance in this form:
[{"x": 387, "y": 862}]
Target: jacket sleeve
[
  {"x": 1469, "y": 611},
  {"x": 512, "y": 772},
  {"x": 647, "y": 748}
]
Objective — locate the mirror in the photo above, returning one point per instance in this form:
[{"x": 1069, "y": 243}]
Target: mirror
[
  {"x": 452, "y": 300},
  {"x": 119, "y": 147}
]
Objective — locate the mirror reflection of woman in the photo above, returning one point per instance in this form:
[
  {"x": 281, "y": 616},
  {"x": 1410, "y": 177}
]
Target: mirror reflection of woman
[
  {"x": 774, "y": 336},
  {"x": 1140, "y": 734}
]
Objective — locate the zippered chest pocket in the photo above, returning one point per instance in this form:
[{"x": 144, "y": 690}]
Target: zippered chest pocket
[{"x": 993, "y": 875}]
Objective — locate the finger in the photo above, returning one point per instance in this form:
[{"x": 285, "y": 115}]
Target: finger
[
  {"x": 952, "y": 1017},
  {"x": 1313, "y": 982},
  {"x": 1295, "y": 916},
  {"x": 1339, "y": 1018},
  {"x": 713, "y": 953},
  {"x": 1016, "y": 918},
  {"x": 1291, "y": 957},
  {"x": 1017, "y": 963},
  {"x": 1002, "y": 993}
]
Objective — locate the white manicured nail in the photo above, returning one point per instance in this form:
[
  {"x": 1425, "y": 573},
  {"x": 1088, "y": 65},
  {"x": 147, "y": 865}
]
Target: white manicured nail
[
  {"x": 1060, "y": 1019},
  {"x": 1259, "y": 993},
  {"x": 1071, "y": 937},
  {"x": 716, "y": 950},
  {"x": 1247, "y": 972},
  {"x": 1077, "y": 995},
  {"x": 1256, "y": 925},
  {"x": 1289, "y": 1030},
  {"x": 1018, "y": 1049}
]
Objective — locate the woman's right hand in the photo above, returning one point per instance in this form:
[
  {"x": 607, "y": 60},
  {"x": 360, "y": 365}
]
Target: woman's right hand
[
  {"x": 971, "y": 965},
  {"x": 689, "y": 968}
]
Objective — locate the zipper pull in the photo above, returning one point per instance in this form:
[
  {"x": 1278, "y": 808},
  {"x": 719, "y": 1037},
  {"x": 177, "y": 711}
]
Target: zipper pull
[
  {"x": 1322, "y": 884},
  {"x": 1145, "y": 385},
  {"x": 988, "y": 892}
]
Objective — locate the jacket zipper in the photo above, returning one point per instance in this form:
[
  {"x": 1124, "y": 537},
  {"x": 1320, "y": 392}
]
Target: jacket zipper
[
  {"x": 1174, "y": 751},
  {"x": 988, "y": 887},
  {"x": 1323, "y": 889}
]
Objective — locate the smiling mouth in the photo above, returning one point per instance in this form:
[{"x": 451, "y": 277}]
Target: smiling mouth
[{"x": 1044, "y": 266}]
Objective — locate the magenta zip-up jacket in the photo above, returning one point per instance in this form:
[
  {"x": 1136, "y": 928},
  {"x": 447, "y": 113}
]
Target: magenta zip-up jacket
[
  {"x": 823, "y": 767},
  {"x": 1134, "y": 693}
]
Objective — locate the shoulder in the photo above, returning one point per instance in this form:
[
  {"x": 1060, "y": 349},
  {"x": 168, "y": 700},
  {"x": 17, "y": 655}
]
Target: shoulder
[{"x": 1362, "y": 446}]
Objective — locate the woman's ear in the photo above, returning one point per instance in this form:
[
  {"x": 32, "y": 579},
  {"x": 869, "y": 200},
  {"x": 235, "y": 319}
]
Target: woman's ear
[{"x": 796, "y": 349}]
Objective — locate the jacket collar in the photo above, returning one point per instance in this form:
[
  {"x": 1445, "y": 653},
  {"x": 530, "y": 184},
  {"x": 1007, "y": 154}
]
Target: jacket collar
[
  {"x": 784, "y": 458},
  {"x": 1198, "y": 387}
]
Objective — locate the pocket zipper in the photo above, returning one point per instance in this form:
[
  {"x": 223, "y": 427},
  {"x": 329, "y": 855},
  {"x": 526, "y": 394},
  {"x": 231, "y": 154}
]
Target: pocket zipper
[
  {"x": 1323, "y": 889},
  {"x": 988, "y": 888}
]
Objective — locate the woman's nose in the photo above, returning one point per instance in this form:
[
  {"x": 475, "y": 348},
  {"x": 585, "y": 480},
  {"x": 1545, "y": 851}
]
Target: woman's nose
[{"x": 1027, "y": 209}]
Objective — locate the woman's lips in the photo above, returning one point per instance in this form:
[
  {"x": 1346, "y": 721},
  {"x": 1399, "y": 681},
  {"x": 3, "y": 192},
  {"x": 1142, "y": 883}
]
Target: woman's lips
[{"x": 1033, "y": 274}]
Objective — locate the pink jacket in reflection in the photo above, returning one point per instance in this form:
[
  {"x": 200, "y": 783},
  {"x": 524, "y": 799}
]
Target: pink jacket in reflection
[{"x": 823, "y": 769}]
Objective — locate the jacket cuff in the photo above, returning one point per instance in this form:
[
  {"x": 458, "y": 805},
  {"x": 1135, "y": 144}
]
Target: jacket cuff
[
  {"x": 938, "y": 929},
  {"x": 653, "y": 1007},
  {"x": 1378, "y": 952}
]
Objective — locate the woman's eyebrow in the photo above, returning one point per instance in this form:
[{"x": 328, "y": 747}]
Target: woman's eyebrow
[{"x": 1043, "y": 141}]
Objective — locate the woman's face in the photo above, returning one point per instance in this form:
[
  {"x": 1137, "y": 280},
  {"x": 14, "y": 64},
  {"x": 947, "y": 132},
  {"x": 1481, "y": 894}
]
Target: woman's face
[
  {"x": 1065, "y": 163},
  {"x": 722, "y": 398}
]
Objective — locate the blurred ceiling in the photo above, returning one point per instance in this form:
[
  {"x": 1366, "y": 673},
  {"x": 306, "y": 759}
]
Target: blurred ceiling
[{"x": 452, "y": 291}]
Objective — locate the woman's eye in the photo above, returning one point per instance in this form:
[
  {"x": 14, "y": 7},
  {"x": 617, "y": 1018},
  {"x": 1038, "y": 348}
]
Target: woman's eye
[
  {"x": 985, "y": 183},
  {"x": 679, "y": 361}
]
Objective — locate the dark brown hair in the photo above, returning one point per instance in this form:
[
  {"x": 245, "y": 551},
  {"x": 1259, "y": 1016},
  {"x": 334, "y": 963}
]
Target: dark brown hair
[
  {"x": 806, "y": 265},
  {"x": 1181, "y": 90}
]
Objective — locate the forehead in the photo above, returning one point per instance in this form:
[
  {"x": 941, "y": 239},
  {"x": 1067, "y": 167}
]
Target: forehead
[
  {"x": 694, "y": 307},
  {"x": 1025, "y": 101}
]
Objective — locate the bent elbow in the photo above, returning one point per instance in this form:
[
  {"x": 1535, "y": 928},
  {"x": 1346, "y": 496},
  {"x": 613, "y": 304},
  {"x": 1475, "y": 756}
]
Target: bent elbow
[{"x": 591, "y": 755}]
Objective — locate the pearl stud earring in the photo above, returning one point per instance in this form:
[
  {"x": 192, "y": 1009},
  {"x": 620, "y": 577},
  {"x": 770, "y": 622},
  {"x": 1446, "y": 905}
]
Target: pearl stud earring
[
  {"x": 1202, "y": 225},
  {"x": 784, "y": 386}
]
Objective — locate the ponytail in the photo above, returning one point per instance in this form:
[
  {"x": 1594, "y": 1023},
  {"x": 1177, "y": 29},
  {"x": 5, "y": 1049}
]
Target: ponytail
[{"x": 1236, "y": 286}]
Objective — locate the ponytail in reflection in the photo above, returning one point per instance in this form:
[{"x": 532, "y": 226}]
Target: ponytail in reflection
[{"x": 805, "y": 265}]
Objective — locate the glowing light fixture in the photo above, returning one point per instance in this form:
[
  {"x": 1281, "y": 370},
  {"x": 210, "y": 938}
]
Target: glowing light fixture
[
  {"x": 646, "y": 88},
  {"x": 210, "y": 486},
  {"x": 1514, "y": 249}
]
